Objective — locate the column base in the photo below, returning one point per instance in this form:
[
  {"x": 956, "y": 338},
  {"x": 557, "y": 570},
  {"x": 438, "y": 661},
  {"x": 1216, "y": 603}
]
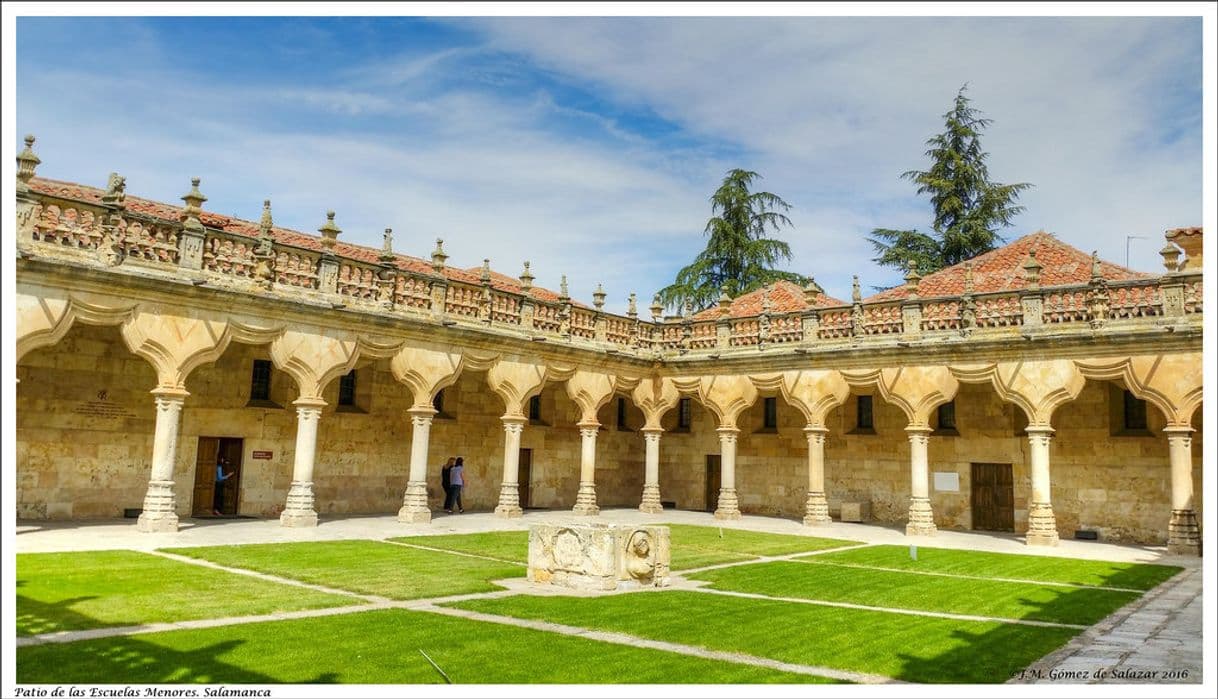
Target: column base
[
  {"x": 729, "y": 506},
  {"x": 160, "y": 522},
  {"x": 1042, "y": 525},
  {"x": 299, "y": 511},
  {"x": 921, "y": 518},
  {"x": 1183, "y": 536},
  {"x": 160, "y": 509},
  {"x": 509, "y": 502},
  {"x": 585, "y": 501},
  {"x": 816, "y": 510},
  {"x": 651, "y": 499},
  {"x": 414, "y": 505}
]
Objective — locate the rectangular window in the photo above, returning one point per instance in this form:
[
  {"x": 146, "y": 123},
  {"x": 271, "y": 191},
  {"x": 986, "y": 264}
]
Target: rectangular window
[
  {"x": 260, "y": 380},
  {"x": 1135, "y": 412},
  {"x": 683, "y": 414},
  {"x": 947, "y": 415},
  {"x": 535, "y": 408},
  {"x": 621, "y": 414},
  {"x": 863, "y": 417},
  {"x": 346, "y": 389},
  {"x": 770, "y": 419}
]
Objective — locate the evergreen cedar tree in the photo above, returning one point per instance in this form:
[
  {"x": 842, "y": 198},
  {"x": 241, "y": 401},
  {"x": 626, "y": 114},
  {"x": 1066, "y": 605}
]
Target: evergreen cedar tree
[
  {"x": 969, "y": 209},
  {"x": 739, "y": 257}
]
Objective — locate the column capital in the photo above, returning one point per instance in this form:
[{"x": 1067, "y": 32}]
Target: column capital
[
  {"x": 725, "y": 431},
  {"x": 588, "y": 424},
  {"x": 170, "y": 393},
  {"x": 513, "y": 420},
  {"x": 916, "y": 430},
  {"x": 647, "y": 431},
  {"x": 309, "y": 402},
  {"x": 1178, "y": 431},
  {"x": 421, "y": 411},
  {"x": 1039, "y": 430},
  {"x": 588, "y": 432},
  {"x": 811, "y": 430}
]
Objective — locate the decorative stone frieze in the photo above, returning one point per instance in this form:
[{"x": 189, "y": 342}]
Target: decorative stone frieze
[{"x": 602, "y": 557}]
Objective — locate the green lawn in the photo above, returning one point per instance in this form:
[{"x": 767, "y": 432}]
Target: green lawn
[
  {"x": 380, "y": 647},
  {"x": 1007, "y": 600},
  {"x": 369, "y": 567},
  {"x": 910, "y": 648},
  {"x": 1138, "y": 576},
  {"x": 694, "y": 546},
  {"x": 64, "y": 591},
  {"x": 509, "y": 546}
]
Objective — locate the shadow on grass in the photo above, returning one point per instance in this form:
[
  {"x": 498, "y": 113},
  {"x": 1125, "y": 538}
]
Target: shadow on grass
[
  {"x": 1004, "y": 652},
  {"x": 123, "y": 658}
]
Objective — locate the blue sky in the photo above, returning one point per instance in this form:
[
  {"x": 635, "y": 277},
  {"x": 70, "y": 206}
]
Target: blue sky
[{"x": 590, "y": 145}]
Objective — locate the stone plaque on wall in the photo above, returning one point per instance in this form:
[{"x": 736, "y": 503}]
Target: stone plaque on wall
[{"x": 947, "y": 481}]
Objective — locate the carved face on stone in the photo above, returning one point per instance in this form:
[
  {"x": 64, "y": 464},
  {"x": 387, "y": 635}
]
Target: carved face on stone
[{"x": 640, "y": 544}]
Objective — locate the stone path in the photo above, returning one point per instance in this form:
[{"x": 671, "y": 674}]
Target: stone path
[
  {"x": 1153, "y": 640},
  {"x": 804, "y": 559}
]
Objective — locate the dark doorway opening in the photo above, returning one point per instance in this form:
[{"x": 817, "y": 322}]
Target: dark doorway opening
[
  {"x": 524, "y": 477},
  {"x": 216, "y": 452},
  {"x": 713, "y": 482},
  {"x": 993, "y": 490}
]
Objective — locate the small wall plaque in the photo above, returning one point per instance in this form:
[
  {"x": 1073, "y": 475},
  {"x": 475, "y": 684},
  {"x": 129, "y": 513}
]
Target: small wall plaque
[
  {"x": 947, "y": 481},
  {"x": 263, "y": 454}
]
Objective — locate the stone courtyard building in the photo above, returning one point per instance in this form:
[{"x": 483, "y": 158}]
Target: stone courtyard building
[{"x": 1033, "y": 389}]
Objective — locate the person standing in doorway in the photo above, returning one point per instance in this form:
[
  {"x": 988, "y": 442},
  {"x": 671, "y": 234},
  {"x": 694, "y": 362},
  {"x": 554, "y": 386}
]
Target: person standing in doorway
[
  {"x": 446, "y": 484},
  {"x": 221, "y": 477},
  {"x": 457, "y": 478}
]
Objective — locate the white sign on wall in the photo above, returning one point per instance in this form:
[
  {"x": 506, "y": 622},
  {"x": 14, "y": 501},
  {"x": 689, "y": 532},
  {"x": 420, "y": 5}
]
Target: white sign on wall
[{"x": 947, "y": 481}]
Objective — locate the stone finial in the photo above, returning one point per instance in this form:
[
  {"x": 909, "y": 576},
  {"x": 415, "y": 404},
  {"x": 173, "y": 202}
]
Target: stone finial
[
  {"x": 632, "y": 306},
  {"x": 766, "y": 306},
  {"x": 562, "y": 290},
  {"x": 194, "y": 202},
  {"x": 116, "y": 190},
  {"x": 27, "y": 162},
  {"x": 598, "y": 297},
  {"x": 438, "y": 256},
  {"x": 387, "y": 256},
  {"x": 689, "y": 309},
  {"x": 812, "y": 292},
  {"x": 912, "y": 278},
  {"x": 968, "y": 277},
  {"x": 657, "y": 308},
  {"x": 1031, "y": 271},
  {"x": 1096, "y": 273},
  {"x": 484, "y": 275},
  {"x": 526, "y": 278},
  {"x": 1171, "y": 257},
  {"x": 725, "y": 302},
  {"x": 266, "y": 223},
  {"x": 856, "y": 294},
  {"x": 329, "y": 232}
]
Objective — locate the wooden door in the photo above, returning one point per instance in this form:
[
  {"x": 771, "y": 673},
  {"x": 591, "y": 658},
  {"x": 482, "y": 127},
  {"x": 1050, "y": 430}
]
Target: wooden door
[
  {"x": 524, "y": 478},
  {"x": 205, "y": 476},
  {"x": 993, "y": 490},
  {"x": 232, "y": 448},
  {"x": 713, "y": 482}
]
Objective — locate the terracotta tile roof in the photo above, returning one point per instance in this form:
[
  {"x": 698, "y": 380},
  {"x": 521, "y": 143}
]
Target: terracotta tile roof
[
  {"x": 287, "y": 236},
  {"x": 784, "y": 297},
  {"x": 1002, "y": 270}
]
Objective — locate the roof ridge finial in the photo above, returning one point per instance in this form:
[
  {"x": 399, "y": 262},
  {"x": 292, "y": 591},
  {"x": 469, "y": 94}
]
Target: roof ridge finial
[
  {"x": 526, "y": 278},
  {"x": 387, "y": 254},
  {"x": 27, "y": 162},
  {"x": 438, "y": 256},
  {"x": 329, "y": 232}
]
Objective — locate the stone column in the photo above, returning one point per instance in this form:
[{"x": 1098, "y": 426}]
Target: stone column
[
  {"x": 299, "y": 511},
  {"x": 816, "y": 508},
  {"x": 414, "y": 502},
  {"x": 160, "y": 505},
  {"x": 1183, "y": 537},
  {"x": 651, "y": 471},
  {"x": 1042, "y": 524},
  {"x": 585, "y": 499},
  {"x": 921, "y": 518},
  {"x": 729, "y": 506},
  {"x": 509, "y": 492}
]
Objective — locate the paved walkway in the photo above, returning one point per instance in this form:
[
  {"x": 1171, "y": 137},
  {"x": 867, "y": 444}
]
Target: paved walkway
[
  {"x": 34, "y": 536},
  {"x": 1154, "y": 640}
]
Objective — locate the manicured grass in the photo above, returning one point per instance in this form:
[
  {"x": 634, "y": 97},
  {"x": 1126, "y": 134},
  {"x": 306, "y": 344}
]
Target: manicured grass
[
  {"x": 910, "y": 648},
  {"x": 1138, "y": 576},
  {"x": 86, "y": 590},
  {"x": 380, "y": 647},
  {"x": 694, "y": 546},
  {"x": 509, "y": 546},
  {"x": 369, "y": 567},
  {"x": 1067, "y": 605}
]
